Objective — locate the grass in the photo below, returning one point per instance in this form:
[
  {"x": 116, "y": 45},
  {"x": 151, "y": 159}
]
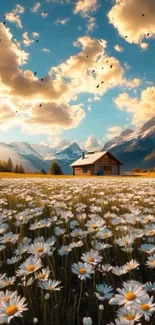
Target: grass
[{"x": 14, "y": 175}]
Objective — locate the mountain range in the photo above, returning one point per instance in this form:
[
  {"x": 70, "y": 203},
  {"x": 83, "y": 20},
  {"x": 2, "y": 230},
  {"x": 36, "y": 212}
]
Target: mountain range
[{"x": 132, "y": 148}]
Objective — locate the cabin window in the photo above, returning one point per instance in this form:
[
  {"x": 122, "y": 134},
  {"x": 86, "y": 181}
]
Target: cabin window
[{"x": 84, "y": 169}]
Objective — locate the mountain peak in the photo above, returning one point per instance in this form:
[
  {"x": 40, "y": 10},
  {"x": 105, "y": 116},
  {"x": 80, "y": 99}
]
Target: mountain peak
[
  {"x": 126, "y": 132},
  {"x": 148, "y": 125}
]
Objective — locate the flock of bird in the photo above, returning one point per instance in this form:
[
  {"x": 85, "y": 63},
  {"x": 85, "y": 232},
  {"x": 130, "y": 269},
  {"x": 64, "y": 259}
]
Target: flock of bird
[{"x": 42, "y": 79}]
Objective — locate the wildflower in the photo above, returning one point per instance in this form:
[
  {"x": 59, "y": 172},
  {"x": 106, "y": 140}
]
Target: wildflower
[
  {"x": 64, "y": 250},
  {"x": 87, "y": 321},
  {"x": 103, "y": 291},
  {"x": 133, "y": 264},
  {"x": 9, "y": 238},
  {"x": 6, "y": 282},
  {"x": 129, "y": 314},
  {"x": 43, "y": 274},
  {"x": 92, "y": 257},
  {"x": 151, "y": 261},
  {"x": 146, "y": 307},
  {"x": 131, "y": 294},
  {"x": 83, "y": 270},
  {"x": 50, "y": 285},
  {"x": 12, "y": 308},
  {"x": 31, "y": 265},
  {"x": 39, "y": 249}
]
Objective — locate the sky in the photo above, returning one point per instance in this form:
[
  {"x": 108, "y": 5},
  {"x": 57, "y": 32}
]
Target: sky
[{"x": 79, "y": 70}]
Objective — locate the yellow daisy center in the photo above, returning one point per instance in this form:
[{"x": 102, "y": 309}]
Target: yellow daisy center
[
  {"x": 30, "y": 267},
  {"x": 94, "y": 225},
  {"x": 129, "y": 317},
  {"x": 39, "y": 249},
  {"x": 150, "y": 232},
  {"x": 11, "y": 310},
  {"x": 145, "y": 307},
  {"x": 7, "y": 283},
  {"x": 105, "y": 235},
  {"x": 41, "y": 276},
  {"x": 125, "y": 242},
  {"x": 90, "y": 259},
  {"x": 129, "y": 296},
  {"x": 8, "y": 238},
  {"x": 153, "y": 263},
  {"x": 82, "y": 270}
]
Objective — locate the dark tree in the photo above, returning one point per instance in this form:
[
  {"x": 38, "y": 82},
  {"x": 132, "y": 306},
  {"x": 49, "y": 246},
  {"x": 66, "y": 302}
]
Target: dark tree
[
  {"x": 42, "y": 172},
  {"x": 55, "y": 169},
  {"x": 10, "y": 166},
  {"x": 21, "y": 169},
  {"x": 16, "y": 169}
]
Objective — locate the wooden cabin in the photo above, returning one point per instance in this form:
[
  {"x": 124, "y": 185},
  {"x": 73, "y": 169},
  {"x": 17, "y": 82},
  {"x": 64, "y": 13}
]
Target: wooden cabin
[{"x": 97, "y": 163}]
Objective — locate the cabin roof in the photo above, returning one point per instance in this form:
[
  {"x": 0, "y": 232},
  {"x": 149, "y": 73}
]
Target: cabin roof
[{"x": 91, "y": 158}]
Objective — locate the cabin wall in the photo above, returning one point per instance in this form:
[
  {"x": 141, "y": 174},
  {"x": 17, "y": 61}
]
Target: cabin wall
[{"x": 83, "y": 170}]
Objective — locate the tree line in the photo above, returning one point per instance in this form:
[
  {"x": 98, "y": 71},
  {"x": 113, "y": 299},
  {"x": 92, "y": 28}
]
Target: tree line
[{"x": 9, "y": 167}]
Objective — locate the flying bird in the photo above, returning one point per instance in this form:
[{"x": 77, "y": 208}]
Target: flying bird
[
  {"x": 148, "y": 34},
  {"x": 40, "y": 105},
  {"x": 35, "y": 73},
  {"x": 111, "y": 66},
  {"x": 44, "y": 12},
  {"x": 87, "y": 56},
  {"x": 37, "y": 41},
  {"x": 107, "y": 61},
  {"x": 102, "y": 67},
  {"x": 102, "y": 82},
  {"x": 42, "y": 79},
  {"x": 126, "y": 36},
  {"x": 4, "y": 22},
  {"x": 97, "y": 86},
  {"x": 93, "y": 70},
  {"x": 4, "y": 17},
  {"x": 143, "y": 15}
]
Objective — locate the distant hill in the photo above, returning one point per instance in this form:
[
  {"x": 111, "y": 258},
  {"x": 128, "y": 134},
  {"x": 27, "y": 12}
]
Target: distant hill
[{"x": 135, "y": 148}]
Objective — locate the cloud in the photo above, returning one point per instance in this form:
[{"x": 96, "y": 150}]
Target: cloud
[
  {"x": 144, "y": 46},
  {"x": 7, "y": 114},
  {"x": 141, "y": 109},
  {"x": 118, "y": 48},
  {"x": 95, "y": 98},
  {"x": 55, "y": 117},
  {"x": 62, "y": 21},
  {"x": 26, "y": 40},
  {"x": 61, "y": 86},
  {"x": 78, "y": 69},
  {"x": 35, "y": 34},
  {"x": 14, "y": 15},
  {"x": 85, "y": 7},
  {"x": 126, "y": 17},
  {"x": 113, "y": 132},
  {"x": 91, "y": 24},
  {"x": 46, "y": 50},
  {"x": 36, "y": 7},
  {"x": 92, "y": 143}
]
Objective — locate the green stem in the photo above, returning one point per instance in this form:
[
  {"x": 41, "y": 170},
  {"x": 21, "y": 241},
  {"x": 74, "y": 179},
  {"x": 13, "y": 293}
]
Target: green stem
[{"x": 78, "y": 307}]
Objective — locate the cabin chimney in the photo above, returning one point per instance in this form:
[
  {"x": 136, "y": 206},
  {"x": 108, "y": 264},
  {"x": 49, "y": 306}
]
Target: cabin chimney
[{"x": 83, "y": 155}]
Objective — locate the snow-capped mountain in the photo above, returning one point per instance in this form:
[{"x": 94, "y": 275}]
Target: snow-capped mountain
[
  {"x": 30, "y": 163},
  {"x": 24, "y": 148},
  {"x": 135, "y": 148},
  {"x": 46, "y": 151}
]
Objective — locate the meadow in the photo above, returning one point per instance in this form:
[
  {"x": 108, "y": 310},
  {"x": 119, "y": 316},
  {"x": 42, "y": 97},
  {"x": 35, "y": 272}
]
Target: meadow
[{"x": 77, "y": 251}]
